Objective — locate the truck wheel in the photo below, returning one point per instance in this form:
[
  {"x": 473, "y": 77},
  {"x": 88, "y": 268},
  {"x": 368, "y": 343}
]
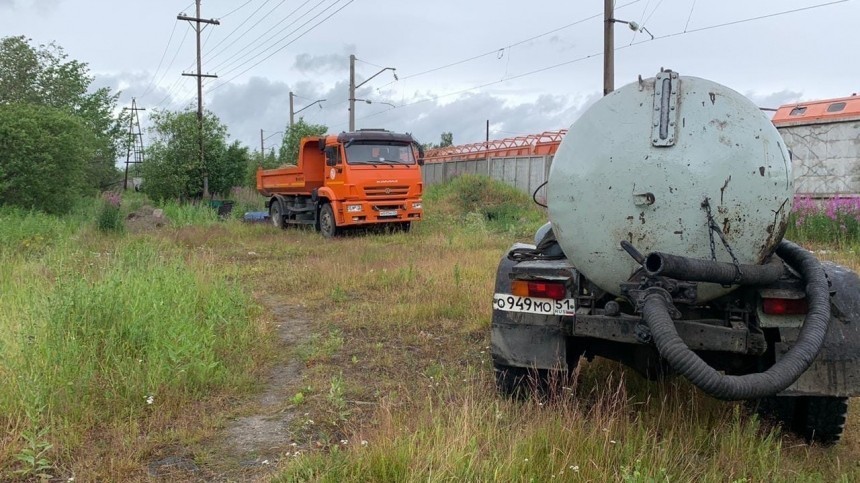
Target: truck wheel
[
  {"x": 521, "y": 382},
  {"x": 276, "y": 215},
  {"x": 816, "y": 418},
  {"x": 406, "y": 226},
  {"x": 328, "y": 226}
]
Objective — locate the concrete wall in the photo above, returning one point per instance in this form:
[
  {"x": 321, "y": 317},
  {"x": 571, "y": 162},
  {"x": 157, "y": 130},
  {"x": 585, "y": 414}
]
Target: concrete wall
[
  {"x": 525, "y": 173},
  {"x": 825, "y": 157}
]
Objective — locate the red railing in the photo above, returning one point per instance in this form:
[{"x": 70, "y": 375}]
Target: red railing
[{"x": 541, "y": 144}]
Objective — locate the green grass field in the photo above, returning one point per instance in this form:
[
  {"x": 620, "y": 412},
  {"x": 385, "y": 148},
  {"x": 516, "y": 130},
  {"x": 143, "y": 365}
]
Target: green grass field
[{"x": 397, "y": 378}]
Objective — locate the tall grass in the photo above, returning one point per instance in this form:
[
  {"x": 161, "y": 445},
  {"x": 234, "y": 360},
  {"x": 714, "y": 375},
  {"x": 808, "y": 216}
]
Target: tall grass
[{"x": 97, "y": 331}]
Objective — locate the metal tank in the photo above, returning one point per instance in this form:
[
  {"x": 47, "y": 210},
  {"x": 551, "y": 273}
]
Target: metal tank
[{"x": 653, "y": 163}]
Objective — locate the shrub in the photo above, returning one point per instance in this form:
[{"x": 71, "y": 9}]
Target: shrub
[{"x": 110, "y": 218}]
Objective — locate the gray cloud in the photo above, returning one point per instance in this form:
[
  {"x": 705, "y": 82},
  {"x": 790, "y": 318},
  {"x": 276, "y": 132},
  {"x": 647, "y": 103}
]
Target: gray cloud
[{"x": 324, "y": 63}]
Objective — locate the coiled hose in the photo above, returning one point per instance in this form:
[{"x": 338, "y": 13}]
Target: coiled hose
[{"x": 750, "y": 386}]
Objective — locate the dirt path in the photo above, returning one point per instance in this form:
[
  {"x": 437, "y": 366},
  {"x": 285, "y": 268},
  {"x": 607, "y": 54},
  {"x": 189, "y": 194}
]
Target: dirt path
[{"x": 249, "y": 446}]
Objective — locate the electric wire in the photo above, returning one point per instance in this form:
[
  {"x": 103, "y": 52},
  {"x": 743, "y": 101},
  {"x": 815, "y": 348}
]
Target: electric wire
[
  {"x": 234, "y": 10},
  {"x": 502, "y": 49},
  {"x": 163, "y": 55},
  {"x": 240, "y": 25},
  {"x": 285, "y": 45},
  {"x": 230, "y": 62},
  {"x": 690, "y": 16},
  {"x": 175, "y": 54},
  {"x": 580, "y": 59}
]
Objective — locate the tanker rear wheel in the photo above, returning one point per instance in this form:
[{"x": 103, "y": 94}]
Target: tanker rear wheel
[
  {"x": 524, "y": 382},
  {"x": 816, "y": 418}
]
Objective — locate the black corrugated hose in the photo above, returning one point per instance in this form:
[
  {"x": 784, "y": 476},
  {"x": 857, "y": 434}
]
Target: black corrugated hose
[{"x": 750, "y": 386}]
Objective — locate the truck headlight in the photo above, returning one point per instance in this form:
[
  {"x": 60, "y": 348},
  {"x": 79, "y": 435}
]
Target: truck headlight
[
  {"x": 416, "y": 206},
  {"x": 353, "y": 208}
]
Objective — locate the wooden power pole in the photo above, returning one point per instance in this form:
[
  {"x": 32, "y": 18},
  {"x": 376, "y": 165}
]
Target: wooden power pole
[
  {"x": 608, "y": 47},
  {"x": 200, "y": 25}
]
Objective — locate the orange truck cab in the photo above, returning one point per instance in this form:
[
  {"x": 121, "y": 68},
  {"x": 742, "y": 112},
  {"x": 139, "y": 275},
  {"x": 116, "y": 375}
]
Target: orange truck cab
[{"x": 361, "y": 178}]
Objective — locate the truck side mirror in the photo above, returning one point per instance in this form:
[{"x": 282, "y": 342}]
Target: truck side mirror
[
  {"x": 420, "y": 154},
  {"x": 321, "y": 144}
]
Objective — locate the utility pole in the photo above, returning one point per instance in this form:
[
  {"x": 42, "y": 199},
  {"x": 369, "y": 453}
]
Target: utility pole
[
  {"x": 292, "y": 114},
  {"x": 351, "y": 92},
  {"x": 262, "y": 147},
  {"x": 353, "y": 87},
  {"x": 608, "y": 47},
  {"x": 135, "y": 140},
  {"x": 200, "y": 75}
]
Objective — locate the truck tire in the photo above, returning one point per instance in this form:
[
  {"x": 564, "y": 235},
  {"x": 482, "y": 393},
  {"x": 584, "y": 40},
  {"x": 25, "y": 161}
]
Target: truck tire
[
  {"x": 276, "y": 214},
  {"x": 406, "y": 226},
  {"x": 328, "y": 225},
  {"x": 522, "y": 382},
  {"x": 819, "y": 419}
]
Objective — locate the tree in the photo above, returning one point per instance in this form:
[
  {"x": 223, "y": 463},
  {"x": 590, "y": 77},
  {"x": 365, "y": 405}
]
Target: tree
[
  {"x": 289, "y": 151},
  {"x": 447, "y": 140},
  {"x": 172, "y": 169},
  {"x": 44, "y": 76},
  {"x": 44, "y": 157}
]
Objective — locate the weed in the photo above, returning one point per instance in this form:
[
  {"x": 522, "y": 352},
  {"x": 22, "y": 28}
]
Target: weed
[
  {"x": 33, "y": 456},
  {"x": 110, "y": 217}
]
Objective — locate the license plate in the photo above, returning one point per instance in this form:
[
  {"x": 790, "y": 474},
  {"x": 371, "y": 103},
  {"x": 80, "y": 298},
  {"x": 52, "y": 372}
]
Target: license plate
[
  {"x": 387, "y": 212},
  {"x": 533, "y": 305}
]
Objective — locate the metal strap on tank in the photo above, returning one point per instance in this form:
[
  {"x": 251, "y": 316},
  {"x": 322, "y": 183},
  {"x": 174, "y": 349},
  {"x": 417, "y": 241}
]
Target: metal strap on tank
[{"x": 665, "y": 114}]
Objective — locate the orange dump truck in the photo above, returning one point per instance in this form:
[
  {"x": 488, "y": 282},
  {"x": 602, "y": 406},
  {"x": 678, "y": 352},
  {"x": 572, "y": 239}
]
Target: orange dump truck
[{"x": 367, "y": 177}]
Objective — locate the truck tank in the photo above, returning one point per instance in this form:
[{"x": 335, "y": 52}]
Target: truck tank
[{"x": 675, "y": 164}]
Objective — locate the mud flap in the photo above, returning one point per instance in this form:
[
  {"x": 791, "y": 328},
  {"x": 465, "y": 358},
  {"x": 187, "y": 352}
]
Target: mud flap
[{"x": 836, "y": 370}]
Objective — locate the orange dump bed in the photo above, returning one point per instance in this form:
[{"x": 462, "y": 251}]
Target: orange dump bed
[{"x": 295, "y": 180}]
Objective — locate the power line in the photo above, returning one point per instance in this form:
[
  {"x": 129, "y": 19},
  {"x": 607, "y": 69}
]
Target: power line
[
  {"x": 234, "y": 10},
  {"x": 285, "y": 45},
  {"x": 580, "y": 59},
  {"x": 163, "y": 54},
  {"x": 210, "y": 54},
  {"x": 690, "y": 16},
  {"x": 502, "y": 49},
  {"x": 231, "y": 61},
  {"x": 175, "y": 54}
]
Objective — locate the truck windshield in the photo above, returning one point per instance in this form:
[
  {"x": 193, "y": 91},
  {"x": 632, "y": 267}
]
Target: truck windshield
[{"x": 379, "y": 153}]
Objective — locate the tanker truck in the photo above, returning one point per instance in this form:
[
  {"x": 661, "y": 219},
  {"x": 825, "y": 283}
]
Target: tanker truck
[
  {"x": 370, "y": 177},
  {"x": 667, "y": 202}
]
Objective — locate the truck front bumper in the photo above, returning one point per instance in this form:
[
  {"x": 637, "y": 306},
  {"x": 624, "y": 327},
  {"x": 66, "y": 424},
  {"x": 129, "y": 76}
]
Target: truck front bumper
[{"x": 382, "y": 211}]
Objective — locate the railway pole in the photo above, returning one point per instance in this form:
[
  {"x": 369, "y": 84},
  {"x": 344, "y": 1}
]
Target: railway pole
[{"x": 608, "y": 47}]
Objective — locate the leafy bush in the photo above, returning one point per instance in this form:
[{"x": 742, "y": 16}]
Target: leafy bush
[
  {"x": 502, "y": 207},
  {"x": 44, "y": 158}
]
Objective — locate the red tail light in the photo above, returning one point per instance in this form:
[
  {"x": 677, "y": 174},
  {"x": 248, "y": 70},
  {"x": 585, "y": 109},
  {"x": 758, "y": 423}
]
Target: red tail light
[
  {"x": 544, "y": 290},
  {"x": 784, "y": 306}
]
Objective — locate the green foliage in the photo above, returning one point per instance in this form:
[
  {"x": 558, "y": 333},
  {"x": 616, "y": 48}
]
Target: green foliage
[
  {"x": 34, "y": 463},
  {"x": 269, "y": 161},
  {"x": 482, "y": 203},
  {"x": 447, "y": 139},
  {"x": 172, "y": 169},
  {"x": 44, "y": 76},
  {"x": 44, "y": 158},
  {"x": 289, "y": 151}
]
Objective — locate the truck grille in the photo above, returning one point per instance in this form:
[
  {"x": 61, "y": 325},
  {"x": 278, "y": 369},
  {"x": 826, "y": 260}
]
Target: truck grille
[{"x": 386, "y": 191}]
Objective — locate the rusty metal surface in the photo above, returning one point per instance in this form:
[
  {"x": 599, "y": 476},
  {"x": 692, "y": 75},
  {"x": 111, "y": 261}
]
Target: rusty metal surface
[{"x": 609, "y": 183}]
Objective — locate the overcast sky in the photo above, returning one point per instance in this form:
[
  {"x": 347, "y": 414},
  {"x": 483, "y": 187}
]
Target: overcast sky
[{"x": 263, "y": 49}]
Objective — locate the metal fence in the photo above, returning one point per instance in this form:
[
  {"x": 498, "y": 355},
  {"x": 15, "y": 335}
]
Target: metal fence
[{"x": 525, "y": 173}]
